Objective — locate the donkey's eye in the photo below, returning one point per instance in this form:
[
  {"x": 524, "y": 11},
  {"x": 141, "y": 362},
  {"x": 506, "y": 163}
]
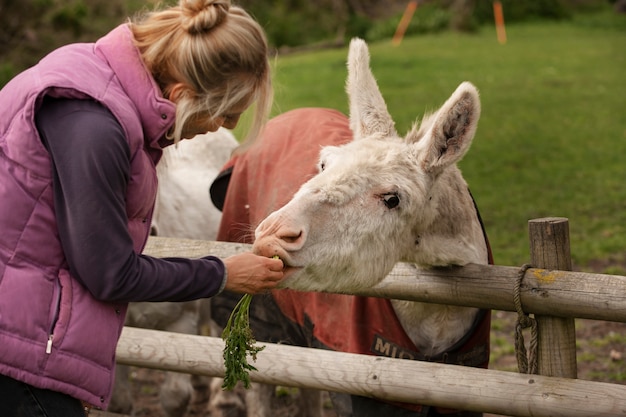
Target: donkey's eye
[{"x": 391, "y": 200}]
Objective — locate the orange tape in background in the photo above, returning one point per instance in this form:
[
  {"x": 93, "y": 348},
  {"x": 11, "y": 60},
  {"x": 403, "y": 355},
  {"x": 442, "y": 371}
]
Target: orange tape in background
[
  {"x": 498, "y": 15},
  {"x": 404, "y": 23}
]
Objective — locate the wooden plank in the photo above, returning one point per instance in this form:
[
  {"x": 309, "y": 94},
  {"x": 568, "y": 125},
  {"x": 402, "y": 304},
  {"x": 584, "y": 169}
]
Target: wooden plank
[
  {"x": 490, "y": 391},
  {"x": 544, "y": 291}
]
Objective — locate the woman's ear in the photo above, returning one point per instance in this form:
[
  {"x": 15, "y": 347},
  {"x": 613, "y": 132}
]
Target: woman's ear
[{"x": 173, "y": 92}]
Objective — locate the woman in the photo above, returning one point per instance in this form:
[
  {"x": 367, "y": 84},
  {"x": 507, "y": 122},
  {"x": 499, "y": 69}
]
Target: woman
[{"x": 80, "y": 134}]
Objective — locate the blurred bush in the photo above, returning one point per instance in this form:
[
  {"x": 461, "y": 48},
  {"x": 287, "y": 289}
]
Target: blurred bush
[{"x": 31, "y": 28}]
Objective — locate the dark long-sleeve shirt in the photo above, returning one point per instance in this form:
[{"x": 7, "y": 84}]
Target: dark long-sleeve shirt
[{"x": 91, "y": 164}]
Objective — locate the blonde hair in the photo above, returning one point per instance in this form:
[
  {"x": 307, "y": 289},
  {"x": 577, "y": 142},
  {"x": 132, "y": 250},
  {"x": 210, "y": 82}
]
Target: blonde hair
[{"x": 217, "y": 51}]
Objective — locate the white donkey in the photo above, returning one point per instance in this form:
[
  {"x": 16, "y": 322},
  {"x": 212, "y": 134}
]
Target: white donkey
[
  {"x": 183, "y": 209},
  {"x": 375, "y": 199}
]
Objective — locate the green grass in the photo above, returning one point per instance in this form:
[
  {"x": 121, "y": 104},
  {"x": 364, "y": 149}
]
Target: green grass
[{"x": 552, "y": 136}]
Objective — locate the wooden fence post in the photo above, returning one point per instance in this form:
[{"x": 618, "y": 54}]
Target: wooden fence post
[{"x": 550, "y": 250}]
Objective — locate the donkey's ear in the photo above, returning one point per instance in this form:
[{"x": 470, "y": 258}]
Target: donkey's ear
[
  {"x": 452, "y": 131},
  {"x": 368, "y": 111}
]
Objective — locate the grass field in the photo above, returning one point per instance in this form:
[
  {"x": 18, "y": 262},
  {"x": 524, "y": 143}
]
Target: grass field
[{"x": 552, "y": 136}]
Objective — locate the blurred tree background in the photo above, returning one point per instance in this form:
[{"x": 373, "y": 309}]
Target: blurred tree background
[{"x": 31, "y": 28}]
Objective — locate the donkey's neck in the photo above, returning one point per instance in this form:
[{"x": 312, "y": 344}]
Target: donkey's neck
[
  {"x": 454, "y": 234},
  {"x": 450, "y": 250},
  {"x": 455, "y": 237},
  {"x": 433, "y": 328}
]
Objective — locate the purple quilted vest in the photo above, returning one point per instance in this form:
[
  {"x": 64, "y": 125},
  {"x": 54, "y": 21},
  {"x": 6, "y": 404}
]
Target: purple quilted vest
[{"x": 53, "y": 333}]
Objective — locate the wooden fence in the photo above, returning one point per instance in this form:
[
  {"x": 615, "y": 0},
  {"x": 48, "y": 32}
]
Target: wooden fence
[{"x": 547, "y": 290}]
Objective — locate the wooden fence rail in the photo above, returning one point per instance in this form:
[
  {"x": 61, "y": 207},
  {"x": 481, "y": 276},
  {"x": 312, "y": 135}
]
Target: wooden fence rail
[
  {"x": 486, "y": 390},
  {"x": 552, "y": 293}
]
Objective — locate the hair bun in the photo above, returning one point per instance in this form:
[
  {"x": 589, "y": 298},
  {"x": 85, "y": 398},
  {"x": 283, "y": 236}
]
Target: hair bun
[{"x": 203, "y": 15}]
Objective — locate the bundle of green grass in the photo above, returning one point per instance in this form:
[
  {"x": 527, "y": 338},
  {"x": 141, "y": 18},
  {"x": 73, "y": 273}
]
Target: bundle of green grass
[{"x": 239, "y": 343}]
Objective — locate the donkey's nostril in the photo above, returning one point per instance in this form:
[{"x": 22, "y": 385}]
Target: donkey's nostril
[{"x": 292, "y": 237}]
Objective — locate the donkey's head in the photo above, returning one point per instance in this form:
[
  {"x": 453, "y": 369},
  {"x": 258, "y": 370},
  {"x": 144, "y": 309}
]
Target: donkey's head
[{"x": 380, "y": 199}]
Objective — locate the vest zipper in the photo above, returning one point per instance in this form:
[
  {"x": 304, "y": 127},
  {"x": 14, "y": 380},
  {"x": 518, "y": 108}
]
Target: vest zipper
[
  {"x": 55, "y": 318},
  {"x": 49, "y": 344}
]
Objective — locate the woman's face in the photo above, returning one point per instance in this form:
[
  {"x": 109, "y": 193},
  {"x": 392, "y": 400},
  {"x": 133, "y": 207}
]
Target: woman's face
[{"x": 204, "y": 123}]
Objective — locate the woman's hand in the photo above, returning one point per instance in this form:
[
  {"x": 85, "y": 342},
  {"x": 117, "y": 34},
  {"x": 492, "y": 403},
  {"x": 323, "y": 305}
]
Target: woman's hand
[{"x": 252, "y": 274}]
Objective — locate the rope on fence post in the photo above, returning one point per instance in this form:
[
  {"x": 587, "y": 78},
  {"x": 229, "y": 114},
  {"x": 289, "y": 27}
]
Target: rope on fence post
[{"x": 526, "y": 364}]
